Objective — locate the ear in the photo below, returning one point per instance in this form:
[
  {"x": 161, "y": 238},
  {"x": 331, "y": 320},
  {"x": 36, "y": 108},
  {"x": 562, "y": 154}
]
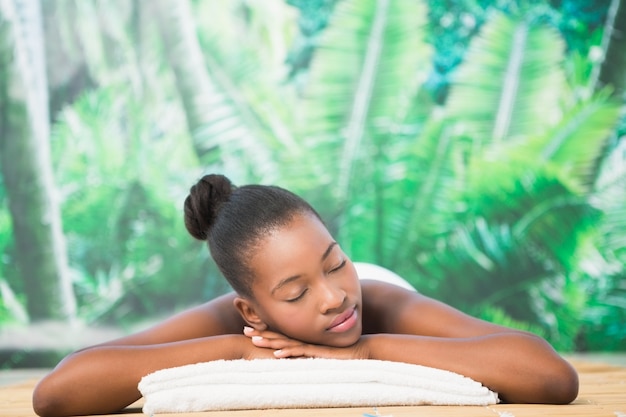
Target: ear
[{"x": 248, "y": 312}]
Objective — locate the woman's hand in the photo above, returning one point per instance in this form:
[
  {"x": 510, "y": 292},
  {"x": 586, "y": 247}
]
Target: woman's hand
[{"x": 284, "y": 347}]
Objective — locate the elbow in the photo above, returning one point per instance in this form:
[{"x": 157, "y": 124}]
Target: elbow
[
  {"x": 45, "y": 404},
  {"x": 562, "y": 384},
  {"x": 560, "y": 379},
  {"x": 550, "y": 379},
  {"x": 569, "y": 385},
  {"x": 557, "y": 385},
  {"x": 51, "y": 398}
]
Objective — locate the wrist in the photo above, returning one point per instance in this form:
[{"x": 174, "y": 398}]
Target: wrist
[
  {"x": 240, "y": 346},
  {"x": 226, "y": 347}
]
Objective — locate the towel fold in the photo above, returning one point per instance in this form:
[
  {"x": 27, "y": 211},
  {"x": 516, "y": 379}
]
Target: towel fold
[{"x": 305, "y": 383}]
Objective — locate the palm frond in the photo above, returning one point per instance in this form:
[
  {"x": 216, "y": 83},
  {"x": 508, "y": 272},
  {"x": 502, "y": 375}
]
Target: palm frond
[
  {"x": 509, "y": 84},
  {"x": 543, "y": 211},
  {"x": 371, "y": 56},
  {"x": 611, "y": 70},
  {"x": 610, "y": 196},
  {"x": 227, "y": 133},
  {"x": 499, "y": 316},
  {"x": 407, "y": 202},
  {"x": 479, "y": 262},
  {"x": 523, "y": 230},
  {"x": 608, "y": 298},
  {"x": 433, "y": 174},
  {"x": 576, "y": 144}
]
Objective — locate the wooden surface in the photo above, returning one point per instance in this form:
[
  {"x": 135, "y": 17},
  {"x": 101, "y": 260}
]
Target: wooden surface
[{"x": 602, "y": 393}]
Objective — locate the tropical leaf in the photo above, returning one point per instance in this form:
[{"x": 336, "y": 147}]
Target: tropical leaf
[
  {"x": 364, "y": 73},
  {"x": 523, "y": 232},
  {"x": 433, "y": 182},
  {"x": 543, "y": 212},
  {"x": 577, "y": 143},
  {"x": 409, "y": 200},
  {"x": 606, "y": 312},
  {"x": 510, "y": 83},
  {"x": 228, "y": 134},
  {"x": 558, "y": 304},
  {"x": 480, "y": 262},
  {"x": 498, "y": 316},
  {"x": 611, "y": 70},
  {"x": 610, "y": 196}
]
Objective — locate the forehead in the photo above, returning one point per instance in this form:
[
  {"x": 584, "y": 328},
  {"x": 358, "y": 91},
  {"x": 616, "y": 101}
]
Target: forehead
[{"x": 290, "y": 249}]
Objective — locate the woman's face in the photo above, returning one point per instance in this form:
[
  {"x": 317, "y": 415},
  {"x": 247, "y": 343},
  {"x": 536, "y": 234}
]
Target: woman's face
[{"x": 305, "y": 287}]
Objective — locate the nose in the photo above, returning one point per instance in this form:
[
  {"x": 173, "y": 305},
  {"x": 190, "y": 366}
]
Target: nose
[{"x": 332, "y": 296}]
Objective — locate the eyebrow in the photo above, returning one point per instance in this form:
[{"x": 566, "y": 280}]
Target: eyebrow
[
  {"x": 328, "y": 250},
  {"x": 286, "y": 281}
]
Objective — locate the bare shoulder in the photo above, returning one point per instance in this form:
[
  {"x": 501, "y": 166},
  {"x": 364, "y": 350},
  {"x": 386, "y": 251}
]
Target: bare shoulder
[
  {"x": 383, "y": 305},
  {"x": 388, "y": 308},
  {"x": 215, "y": 317}
]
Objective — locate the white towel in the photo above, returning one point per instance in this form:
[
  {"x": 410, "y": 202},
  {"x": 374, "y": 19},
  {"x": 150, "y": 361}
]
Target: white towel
[
  {"x": 305, "y": 383},
  {"x": 378, "y": 273}
]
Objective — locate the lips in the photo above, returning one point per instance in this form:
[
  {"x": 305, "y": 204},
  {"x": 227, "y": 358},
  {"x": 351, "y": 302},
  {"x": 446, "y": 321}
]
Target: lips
[{"x": 344, "y": 321}]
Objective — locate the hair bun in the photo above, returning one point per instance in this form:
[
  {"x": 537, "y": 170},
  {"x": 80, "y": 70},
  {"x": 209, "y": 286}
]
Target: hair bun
[{"x": 203, "y": 203}]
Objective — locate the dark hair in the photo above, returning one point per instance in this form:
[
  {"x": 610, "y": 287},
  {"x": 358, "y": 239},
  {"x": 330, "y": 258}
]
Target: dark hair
[{"x": 234, "y": 220}]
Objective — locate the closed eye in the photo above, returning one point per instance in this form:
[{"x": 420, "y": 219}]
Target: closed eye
[
  {"x": 299, "y": 297},
  {"x": 341, "y": 265}
]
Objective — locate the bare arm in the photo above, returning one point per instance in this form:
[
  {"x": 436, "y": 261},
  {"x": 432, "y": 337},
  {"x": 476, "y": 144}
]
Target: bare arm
[
  {"x": 104, "y": 378},
  {"x": 403, "y": 326},
  {"x": 520, "y": 366}
]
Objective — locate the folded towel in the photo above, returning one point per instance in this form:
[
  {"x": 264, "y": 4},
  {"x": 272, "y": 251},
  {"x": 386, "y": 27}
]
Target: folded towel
[{"x": 305, "y": 383}]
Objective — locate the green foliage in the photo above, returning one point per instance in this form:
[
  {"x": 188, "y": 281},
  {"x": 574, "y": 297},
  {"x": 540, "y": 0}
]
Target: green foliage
[
  {"x": 314, "y": 16},
  {"x": 497, "y": 187},
  {"x": 360, "y": 85},
  {"x": 11, "y": 290},
  {"x": 514, "y": 68},
  {"x": 453, "y": 24},
  {"x": 498, "y": 316},
  {"x": 603, "y": 328},
  {"x": 12, "y": 309},
  {"x": 122, "y": 194},
  {"x": 249, "y": 125},
  {"x": 517, "y": 249},
  {"x": 581, "y": 20},
  {"x": 485, "y": 203},
  {"x": 606, "y": 312}
]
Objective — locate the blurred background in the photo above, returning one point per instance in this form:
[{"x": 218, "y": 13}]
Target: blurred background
[{"x": 475, "y": 147}]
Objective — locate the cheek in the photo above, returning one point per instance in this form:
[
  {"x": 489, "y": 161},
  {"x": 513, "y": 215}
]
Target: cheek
[
  {"x": 296, "y": 322},
  {"x": 353, "y": 286}
]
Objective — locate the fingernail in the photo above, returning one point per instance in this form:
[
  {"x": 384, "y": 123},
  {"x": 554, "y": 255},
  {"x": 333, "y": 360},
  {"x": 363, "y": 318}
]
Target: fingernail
[
  {"x": 247, "y": 329},
  {"x": 256, "y": 338},
  {"x": 278, "y": 352}
]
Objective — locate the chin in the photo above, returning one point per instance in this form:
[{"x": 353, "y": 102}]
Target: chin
[
  {"x": 348, "y": 342},
  {"x": 345, "y": 339}
]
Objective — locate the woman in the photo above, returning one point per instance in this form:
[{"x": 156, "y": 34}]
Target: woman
[{"x": 298, "y": 295}]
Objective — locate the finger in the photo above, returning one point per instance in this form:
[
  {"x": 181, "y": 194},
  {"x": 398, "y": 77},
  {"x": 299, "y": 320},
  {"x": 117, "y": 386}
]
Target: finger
[
  {"x": 266, "y": 334},
  {"x": 286, "y": 353},
  {"x": 274, "y": 343},
  {"x": 302, "y": 351},
  {"x": 270, "y": 339}
]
